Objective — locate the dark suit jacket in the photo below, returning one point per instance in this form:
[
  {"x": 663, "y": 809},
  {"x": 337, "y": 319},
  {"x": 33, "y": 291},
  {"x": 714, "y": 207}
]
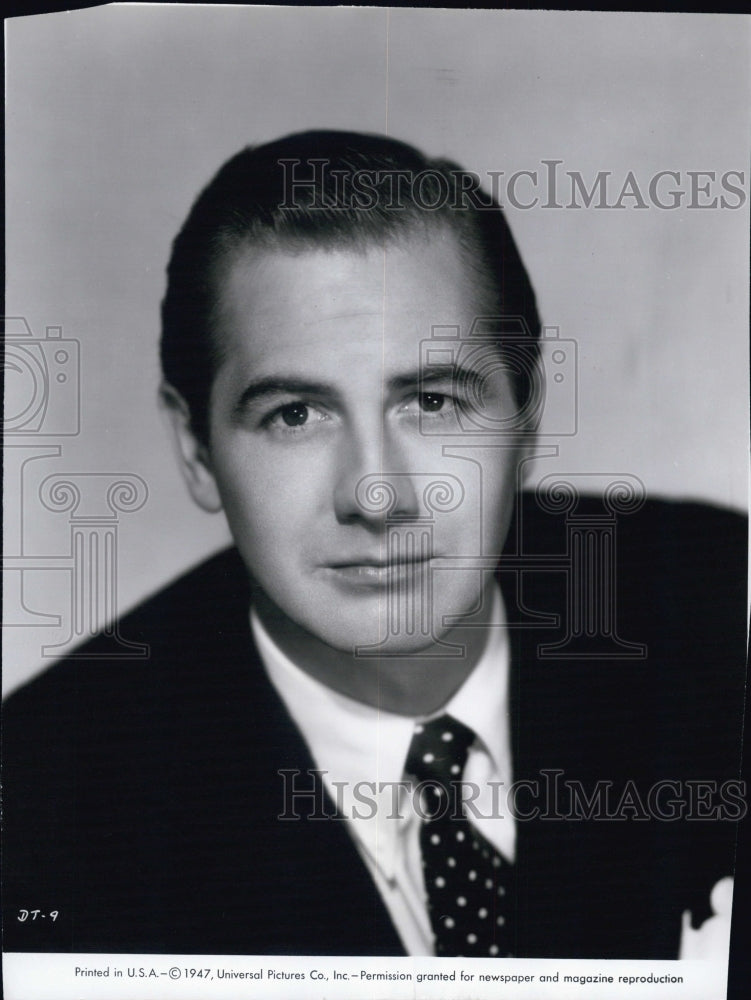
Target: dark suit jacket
[{"x": 141, "y": 797}]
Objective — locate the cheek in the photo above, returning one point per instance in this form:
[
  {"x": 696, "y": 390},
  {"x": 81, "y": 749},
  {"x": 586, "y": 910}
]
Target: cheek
[
  {"x": 267, "y": 503},
  {"x": 263, "y": 534},
  {"x": 500, "y": 497}
]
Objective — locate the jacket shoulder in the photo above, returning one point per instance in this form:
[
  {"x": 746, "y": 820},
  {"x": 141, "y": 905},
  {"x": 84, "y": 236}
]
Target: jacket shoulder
[{"x": 175, "y": 627}]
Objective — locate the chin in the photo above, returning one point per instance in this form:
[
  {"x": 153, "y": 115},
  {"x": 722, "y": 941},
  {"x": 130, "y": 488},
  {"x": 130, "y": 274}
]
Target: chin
[
  {"x": 375, "y": 642},
  {"x": 368, "y": 630}
]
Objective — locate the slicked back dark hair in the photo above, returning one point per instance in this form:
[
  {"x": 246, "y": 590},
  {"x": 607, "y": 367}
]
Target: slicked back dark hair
[{"x": 330, "y": 190}]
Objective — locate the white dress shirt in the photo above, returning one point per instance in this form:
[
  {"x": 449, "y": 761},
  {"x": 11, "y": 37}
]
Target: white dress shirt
[{"x": 362, "y": 752}]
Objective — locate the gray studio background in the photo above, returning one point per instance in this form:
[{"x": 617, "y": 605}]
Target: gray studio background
[{"x": 116, "y": 116}]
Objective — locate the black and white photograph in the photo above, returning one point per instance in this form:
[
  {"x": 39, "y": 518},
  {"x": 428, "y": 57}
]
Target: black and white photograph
[{"x": 375, "y": 506}]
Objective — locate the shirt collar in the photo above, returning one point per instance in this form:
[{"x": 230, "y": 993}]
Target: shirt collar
[
  {"x": 362, "y": 750},
  {"x": 481, "y": 702}
]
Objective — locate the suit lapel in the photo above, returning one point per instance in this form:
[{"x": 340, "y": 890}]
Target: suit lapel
[{"x": 325, "y": 900}]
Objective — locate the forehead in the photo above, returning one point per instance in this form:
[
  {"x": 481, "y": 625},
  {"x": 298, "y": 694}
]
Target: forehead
[{"x": 318, "y": 306}]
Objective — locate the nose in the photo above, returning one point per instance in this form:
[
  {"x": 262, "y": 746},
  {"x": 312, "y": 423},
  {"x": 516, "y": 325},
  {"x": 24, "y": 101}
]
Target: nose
[{"x": 374, "y": 482}]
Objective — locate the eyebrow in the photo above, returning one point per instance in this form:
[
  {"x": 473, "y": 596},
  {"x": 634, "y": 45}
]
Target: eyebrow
[
  {"x": 281, "y": 384},
  {"x": 293, "y": 385},
  {"x": 430, "y": 374}
]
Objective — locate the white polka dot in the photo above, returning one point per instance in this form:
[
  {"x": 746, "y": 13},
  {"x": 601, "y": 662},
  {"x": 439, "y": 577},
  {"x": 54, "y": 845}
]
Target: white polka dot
[
  {"x": 440, "y": 881},
  {"x": 460, "y": 835},
  {"x": 455, "y": 769},
  {"x": 485, "y": 854},
  {"x": 428, "y": 758},
  {"x": 471, "y": 939},
  {"x": 448, "y": 922},
  {"x": 482, "y": 913},
  {"x": 500, "y": 921},
  {"x": 461, "y": 900},
  {"x": 472, "y": 875},
  {"x": 501, "y": 891},
  {"x": 475, "y": 845},
  {"x": 496, "y": 862},
  {"x": 447, "y": 737},
  {"x": 488, "y": 883},
  {"x": 451, "y": 862},
  {"x": 419, "y": 728},
  {"x": 493, "y": 949},
  {"x": 435, "y": 838}
]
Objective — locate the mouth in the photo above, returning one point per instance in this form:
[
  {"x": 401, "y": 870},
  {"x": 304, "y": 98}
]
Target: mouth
[{"x": 378, "y": 573}]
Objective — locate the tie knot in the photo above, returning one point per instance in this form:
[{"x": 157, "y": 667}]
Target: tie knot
[{"x": 438, "y": 751}]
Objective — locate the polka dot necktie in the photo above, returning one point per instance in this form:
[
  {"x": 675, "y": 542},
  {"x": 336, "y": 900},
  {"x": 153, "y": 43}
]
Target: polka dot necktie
[{"x": 467, "y": 882}]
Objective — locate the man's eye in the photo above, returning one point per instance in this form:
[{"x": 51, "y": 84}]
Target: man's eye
[
  {"x": 431, "y": 402},
  {"x": 294, "y": 414},
  {"x": 294, "y": 417}
]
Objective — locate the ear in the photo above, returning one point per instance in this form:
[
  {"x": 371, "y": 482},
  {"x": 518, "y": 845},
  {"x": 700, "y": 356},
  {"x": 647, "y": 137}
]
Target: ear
[{"x": 192, "y": 454}]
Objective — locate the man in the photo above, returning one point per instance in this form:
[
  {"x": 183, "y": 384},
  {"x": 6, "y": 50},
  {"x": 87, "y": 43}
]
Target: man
[{"x": 312, "y": 759}]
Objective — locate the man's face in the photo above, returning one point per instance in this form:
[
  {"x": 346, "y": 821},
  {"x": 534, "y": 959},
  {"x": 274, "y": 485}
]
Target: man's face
[{"x": 318, "y": 399}]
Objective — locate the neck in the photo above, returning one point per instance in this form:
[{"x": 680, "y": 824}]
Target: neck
[{"x": 411, "y": 684}]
